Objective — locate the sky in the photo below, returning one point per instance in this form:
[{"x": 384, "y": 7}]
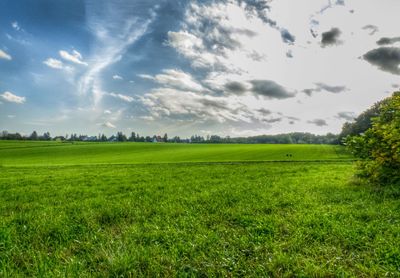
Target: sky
[{"x": 228, "y": 67}]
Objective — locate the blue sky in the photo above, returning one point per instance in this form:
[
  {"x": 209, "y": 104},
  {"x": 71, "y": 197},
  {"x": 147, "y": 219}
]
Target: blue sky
[{"x": 233, "y": 67}]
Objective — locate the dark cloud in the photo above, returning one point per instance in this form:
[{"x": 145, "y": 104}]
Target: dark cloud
[
  {"x": 331, "y": 89},
  {"x": 216, "y": 104},
  {"x": 371, "y": 28},
  {"x": 331, "y": 37},
  {"x": 270, "y": 89},
  {"x": 325, "y": 87},
  {"x": 313, "y": 33},
  {"x": 318, "y": 122},
  {"x": 385, "y": 58},
  {"x": 293, "y": 118},
  {"x": 310, "y": 91},
  {"x": 235, "y": 87},
  {"x": 287, "y": 37},
  {"x": 272, "y": 120},
  {"x": 255, "y": 56},
  {"x": 348, "y": 116},
  {"x": 264, "y": 111},
  {"x": 340, "y": 2},
  {"x": 261, "y": 9},
  {"x": 289, "y": 54},
  {"x": 386, "y": 41}
]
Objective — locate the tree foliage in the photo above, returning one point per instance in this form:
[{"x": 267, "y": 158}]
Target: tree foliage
[
  {"x": 379, "y": 147},
  {"x": 362, "y": 123}
]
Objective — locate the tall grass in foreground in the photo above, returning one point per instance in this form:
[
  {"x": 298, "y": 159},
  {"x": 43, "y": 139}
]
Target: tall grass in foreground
[{"x": 264, "y": 219}]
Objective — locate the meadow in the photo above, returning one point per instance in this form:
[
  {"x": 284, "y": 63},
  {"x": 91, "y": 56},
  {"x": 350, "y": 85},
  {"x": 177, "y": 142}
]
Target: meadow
[{"x": 137, "y": 209}]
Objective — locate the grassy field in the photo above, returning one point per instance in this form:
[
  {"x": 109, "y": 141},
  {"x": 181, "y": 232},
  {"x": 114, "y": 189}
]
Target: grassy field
[
  {"x": 117, "y": 210},
  {"x": 54, "y": 153}
]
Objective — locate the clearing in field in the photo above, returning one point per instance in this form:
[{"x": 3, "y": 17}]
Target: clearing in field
[{"x": 129, "y": 209}]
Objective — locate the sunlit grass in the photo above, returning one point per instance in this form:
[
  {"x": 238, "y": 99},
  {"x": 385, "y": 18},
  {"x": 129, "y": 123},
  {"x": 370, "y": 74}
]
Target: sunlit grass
[{"x": 196, "y": 219}]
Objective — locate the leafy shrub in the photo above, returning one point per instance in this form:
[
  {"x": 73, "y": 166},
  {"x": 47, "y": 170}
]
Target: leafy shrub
[{"x": 379, "y": 147}]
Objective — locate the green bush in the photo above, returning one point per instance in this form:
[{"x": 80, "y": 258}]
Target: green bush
[{"x": 379, "y": 147}]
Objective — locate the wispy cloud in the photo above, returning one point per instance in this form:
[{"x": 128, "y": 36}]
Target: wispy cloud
[
  {"x": 4, "y": 55},
  {"x": 15, "y": 25},
  {"x": 10, "y": 97},
  {"x": 74, "y": 57},
  {"x": 108, "y": 125},
  {"x": 113, "y": 38},
  {"x": 117, "y": 77},
  {"x": 53, "y": 63},
  {"x": 121, "y": 96}
]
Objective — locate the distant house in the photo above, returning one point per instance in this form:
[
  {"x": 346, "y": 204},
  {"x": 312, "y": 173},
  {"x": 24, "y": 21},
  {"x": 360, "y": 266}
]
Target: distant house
[{"x": 89, "y": 138}]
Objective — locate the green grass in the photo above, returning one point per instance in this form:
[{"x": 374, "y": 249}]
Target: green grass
[
  {"x": 194, "y": 219},
  {"x": 52, "y": 153}
]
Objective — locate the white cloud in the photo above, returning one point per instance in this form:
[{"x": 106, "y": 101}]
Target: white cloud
[
  {"x": 4, "y": 55},
  {"x": 75, "y": 57},
  {"x": 146, "y": 76},
  {"x": 108, "y": 125},
  {"x": 10, "y": 97},
  {"x": 117, "y": 77},
  {"x": 15, "y": 25},
  {"x": 147, "y": 118},
  {"x": 230, "y": 43},
  {"x": 123, "y": 97},
  {"x": 173, "y": 78},
  {"x": 175, "y": 104},
  {"x": 107, "y": 112},
  {"x": 54, "y": 63}
]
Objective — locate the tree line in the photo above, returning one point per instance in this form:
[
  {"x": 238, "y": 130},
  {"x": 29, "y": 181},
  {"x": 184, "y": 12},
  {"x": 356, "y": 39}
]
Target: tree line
[
  {"x": 287, "y": 138},
  {"x": 374, "y": 138}
]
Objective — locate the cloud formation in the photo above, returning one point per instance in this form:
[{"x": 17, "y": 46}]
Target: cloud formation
[
  {"x": 371, "y": 28},
  {"x": 386, "y": 41},
  {"x": 318, "y": 122},
  {"x": 319, "y": 86},
  {"x": 270, "y": 89},
  {"x": 117, "y": 77},
  {"x": 236, "y": 87},
  {"x": 174, "y": 78},
  {"x": 348, "y": 116},
  {"x": 108, "y": 125},
  {"x": 385, "y": 58},
  {"x": 15, "y": 25},
  {"x": 74, "y": 57},
  {"x": 4, "y": 55},
  {"x": 176, "y": 104},
  {"x": 53, "y": 63},
  {"x": 10, "y": 97},
  {"x": 122, "y": 97},
  {"x": 331, "y": 37}
]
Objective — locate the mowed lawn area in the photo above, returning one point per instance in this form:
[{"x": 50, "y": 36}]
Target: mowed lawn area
[{"x": 136, "y": 209}]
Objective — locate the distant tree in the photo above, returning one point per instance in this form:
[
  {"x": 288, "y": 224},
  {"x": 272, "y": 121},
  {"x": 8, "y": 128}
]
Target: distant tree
[
  {"x": 362, "y": 122},
  {"x": 165, "y": 138},
  {"x": 132, "y": 138},
  {"x": 34, "y": 136},
  {"x": 103, "y": 138},
  {"x": 379, "y": 146},
  {"x": 121, "y": 137},
  {"x": 46, "y": 136}
]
